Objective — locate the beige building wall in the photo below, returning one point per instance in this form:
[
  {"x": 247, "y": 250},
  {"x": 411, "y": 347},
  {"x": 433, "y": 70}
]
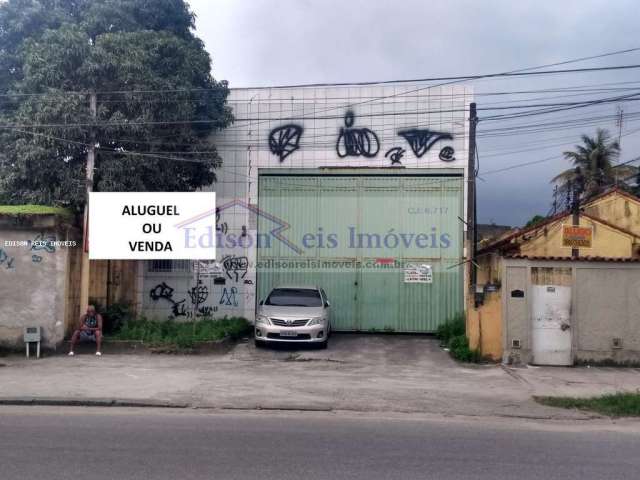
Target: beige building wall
[
  {"x": 607, "y": 241},
  {"x": 618, "y": 208},
  {"x": 36, "y": 280}
]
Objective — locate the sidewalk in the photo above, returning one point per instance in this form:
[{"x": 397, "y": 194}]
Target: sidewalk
[{"x": 368, "y": 373}]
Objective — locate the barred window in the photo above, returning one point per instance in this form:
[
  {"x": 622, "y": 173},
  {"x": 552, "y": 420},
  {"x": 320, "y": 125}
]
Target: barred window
[{"x": 168, "y": 266}]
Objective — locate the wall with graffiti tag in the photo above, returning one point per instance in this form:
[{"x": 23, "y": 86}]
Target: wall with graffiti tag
[
  {"x": 314, "y": 128},
  {"x": 36, "y": 259}
]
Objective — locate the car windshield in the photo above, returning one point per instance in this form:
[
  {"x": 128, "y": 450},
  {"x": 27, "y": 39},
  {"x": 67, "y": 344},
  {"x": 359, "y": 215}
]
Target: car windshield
[{"x": 294, "y": 297}]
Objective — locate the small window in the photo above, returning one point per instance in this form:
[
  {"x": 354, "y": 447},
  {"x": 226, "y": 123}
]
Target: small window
[{"x": 168, "y": 266}]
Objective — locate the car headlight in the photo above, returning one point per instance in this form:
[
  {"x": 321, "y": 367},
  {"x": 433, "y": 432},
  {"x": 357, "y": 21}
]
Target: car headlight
[
  {"x": 262, "y": 319},
  {"x": 316, "y": 321}
]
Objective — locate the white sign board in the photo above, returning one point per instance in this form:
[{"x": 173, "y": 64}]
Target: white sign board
[
  {"x": 418, "y": 273},
  {"x": 207, "y": 268},
  {"x": 152, "y": 225}
]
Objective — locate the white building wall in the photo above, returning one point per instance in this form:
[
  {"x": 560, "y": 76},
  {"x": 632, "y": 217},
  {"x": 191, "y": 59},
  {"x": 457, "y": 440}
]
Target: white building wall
[{"x": 320, "y": 112}]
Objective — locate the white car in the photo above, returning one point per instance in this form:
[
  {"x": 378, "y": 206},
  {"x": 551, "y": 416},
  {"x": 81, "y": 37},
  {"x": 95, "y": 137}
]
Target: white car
[{"x": 294, "y": 313}]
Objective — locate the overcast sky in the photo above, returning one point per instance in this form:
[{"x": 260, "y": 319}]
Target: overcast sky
[{"x": 279, "y": 42}]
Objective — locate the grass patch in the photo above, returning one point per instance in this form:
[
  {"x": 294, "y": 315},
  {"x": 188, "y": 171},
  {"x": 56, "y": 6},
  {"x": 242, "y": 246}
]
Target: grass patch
[
  {"x": 452, "y": 334},
  {"x": 16, "y": 210},
  {"x": 181, "y": 334},
  {"x": 613, "y": 405}
]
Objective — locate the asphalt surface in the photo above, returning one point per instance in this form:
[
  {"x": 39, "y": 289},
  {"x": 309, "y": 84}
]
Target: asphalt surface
[{"x": 103, "y": 443}]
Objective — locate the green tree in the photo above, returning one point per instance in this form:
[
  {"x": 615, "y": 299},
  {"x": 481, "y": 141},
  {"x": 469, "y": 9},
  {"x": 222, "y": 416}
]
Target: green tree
[
  {"x": 594, "y": 166},
  {"x": 534, "y": 221},
  {"x": 157, "y": 100}
]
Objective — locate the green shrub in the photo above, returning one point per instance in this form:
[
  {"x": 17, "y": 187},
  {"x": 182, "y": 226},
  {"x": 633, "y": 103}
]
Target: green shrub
[
  {"x": 452, "y": 334},
  {"x": 459, "y": 349},
  {"x": 453, "y": 327},
  {"x": 182, "y": 334}
]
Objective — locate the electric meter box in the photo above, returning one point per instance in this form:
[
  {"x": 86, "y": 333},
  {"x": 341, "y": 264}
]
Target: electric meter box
[{"x": 31, "y": 334}]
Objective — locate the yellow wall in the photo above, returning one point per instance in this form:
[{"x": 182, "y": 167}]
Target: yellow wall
[
  {"x": 484, "y": 326},
  {"x": 607, "y": 241},
  {"x": 617, "y": 209}
]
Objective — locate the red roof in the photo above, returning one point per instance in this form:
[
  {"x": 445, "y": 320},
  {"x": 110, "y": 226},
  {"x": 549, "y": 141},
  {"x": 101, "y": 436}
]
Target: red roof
[{"x": 576, "y": 259}]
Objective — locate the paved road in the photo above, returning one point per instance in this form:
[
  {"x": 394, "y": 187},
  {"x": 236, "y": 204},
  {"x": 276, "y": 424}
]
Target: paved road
[{"x": 94, "y": 443}]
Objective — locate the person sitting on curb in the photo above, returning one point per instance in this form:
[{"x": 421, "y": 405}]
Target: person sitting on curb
[{"x": 90, "y": 330}]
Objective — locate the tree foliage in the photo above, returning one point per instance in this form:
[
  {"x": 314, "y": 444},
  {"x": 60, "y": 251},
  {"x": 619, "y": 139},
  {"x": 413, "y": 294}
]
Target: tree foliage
[
  {"x": 157, "y": 101},
  {"x": 594, "y": 167},
  {"x": 534, "y": 221}
]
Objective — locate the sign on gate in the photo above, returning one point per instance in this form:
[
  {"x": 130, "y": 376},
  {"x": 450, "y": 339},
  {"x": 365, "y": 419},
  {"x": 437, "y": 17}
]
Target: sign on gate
[{"x": 418, "y": 274}]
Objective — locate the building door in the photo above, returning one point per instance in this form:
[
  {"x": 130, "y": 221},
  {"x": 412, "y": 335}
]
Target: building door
[
  {"x": 356, "y": 236},
  {"x": 551, "y": 328}
]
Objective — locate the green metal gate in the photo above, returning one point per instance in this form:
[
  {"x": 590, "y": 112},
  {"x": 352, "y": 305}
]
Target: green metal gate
[{"x": 356, "y": 235}]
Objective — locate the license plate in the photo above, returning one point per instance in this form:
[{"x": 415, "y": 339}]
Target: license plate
[{"x": 288, "y": 333}]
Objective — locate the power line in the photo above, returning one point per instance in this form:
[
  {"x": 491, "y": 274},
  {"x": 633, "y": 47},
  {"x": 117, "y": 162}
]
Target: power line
[
  {"x": 564, "y": 105},
  {"x": 535, "y": 162}
]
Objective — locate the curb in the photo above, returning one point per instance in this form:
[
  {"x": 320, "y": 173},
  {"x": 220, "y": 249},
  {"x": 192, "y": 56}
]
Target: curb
[
  {"x": 141, "y": 403},
  {"x": 125, "y": 402},
  {"x": 89, "y": 402}
]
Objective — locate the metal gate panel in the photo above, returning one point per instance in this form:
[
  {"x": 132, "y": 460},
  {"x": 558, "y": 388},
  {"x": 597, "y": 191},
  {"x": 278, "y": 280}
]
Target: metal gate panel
[{"x": 367, "y": 215}]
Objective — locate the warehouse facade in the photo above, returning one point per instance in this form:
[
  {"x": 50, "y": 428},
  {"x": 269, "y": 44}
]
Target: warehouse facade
[{"x": 361, "y": 190}]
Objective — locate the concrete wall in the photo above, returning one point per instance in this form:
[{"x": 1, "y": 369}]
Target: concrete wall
[
  {"x": 35, "y": 278},
  {"x": 605, "y": 305},
  {"x": 319, "y": 114}
]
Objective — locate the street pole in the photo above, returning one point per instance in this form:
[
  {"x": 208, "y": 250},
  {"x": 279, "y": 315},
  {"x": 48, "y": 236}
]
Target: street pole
[
  {"x": 576, "y": 190},
  {"x": 575, "y": 209},
  {"x": 91, "y": 158},
  {"x": 471, "y": 196}
]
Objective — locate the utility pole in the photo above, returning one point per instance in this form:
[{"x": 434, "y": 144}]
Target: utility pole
[
  {"x": 471, "y": 196},
  {"x": 91, "y": 159},
  {"x": 620, "y": 122},
  {"x": 575, "y": 206}
]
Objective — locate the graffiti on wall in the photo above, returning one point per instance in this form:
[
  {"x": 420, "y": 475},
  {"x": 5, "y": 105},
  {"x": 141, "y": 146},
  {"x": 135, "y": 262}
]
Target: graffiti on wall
[
  {"x": 43, "y": 242},
  {"x": 422, "y": 139},
  {"x": 235, "y": 267},
  {"x": 6, "y": 261},
  {"x": 395, "y": 154},
  {"x": 355, "y": 142},
  {"x": 285, "y": 140},
  {"x": 198, "y": 294},
  {"x": 228, "y": 297},
  {"x": 360, "y": 141},
  {"x": 221, "y": 227},
  {"x": 447, "y": 154},
  {"x": 164, "y": 291}
]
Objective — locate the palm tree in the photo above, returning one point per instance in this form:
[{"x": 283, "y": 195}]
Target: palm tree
[{"x": 594, "y": 167}]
